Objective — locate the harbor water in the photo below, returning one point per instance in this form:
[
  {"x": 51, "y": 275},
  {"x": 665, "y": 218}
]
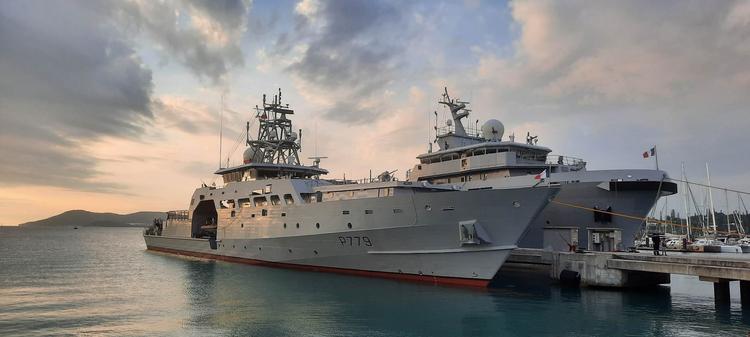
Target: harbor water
[{"x": 102, "y": 281}]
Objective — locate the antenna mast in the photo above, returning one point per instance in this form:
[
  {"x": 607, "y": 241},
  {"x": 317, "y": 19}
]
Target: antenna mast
[{"x": 221, "y": 128}]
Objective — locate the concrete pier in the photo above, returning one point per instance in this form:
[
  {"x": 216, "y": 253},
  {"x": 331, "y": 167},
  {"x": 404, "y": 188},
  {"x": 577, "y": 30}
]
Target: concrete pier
[{"x": 620, "y": 269}]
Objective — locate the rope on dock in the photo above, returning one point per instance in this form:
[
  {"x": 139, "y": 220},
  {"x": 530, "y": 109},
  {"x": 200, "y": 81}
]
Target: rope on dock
[
  {"x": 704, "y": 185},
  {"x": 631, "y": 217}
]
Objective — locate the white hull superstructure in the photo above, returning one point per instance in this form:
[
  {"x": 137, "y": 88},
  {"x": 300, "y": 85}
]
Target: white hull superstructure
[
  {"x": 474, "y": 159},
  {"x": 274, "y": 211}
]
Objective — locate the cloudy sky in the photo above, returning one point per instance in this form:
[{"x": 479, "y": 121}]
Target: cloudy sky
[{"x": 114, "y": 106}]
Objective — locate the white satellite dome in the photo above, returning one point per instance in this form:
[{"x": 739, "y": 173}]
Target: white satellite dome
[
  {"x": 493, "y": 130},
  {"x": 252, "y": 154}
]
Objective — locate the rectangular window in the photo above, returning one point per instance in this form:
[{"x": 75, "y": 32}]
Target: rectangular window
[
  {"x": 398, "y": 210},
  {"x": 260, "y": 201},
  {"x": 345, "y": 212},
  {"x": 245, "y": 202},
  {"x": 275, "y": 200},
  {"x": 267, "y": 189},
  {"x": 227, "y": 203},
  {"x": 368, "y": 211},
  {"x": 263, "y": 212},
  {"x": 257, "y": 192},
  {"x": 288, "y": 199}
]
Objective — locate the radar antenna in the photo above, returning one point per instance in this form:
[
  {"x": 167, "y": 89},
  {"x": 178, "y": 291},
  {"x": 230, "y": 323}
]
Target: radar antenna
[
  {"x": 458, "y": 111},
  {"x": 276, "y": 142},
  {"x": 531, "y": 140},
  {"x": 316, "y": 160}
]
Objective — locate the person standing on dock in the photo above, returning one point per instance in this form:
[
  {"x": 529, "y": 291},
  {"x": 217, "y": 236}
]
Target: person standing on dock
[{"x": 656, "y": 239}]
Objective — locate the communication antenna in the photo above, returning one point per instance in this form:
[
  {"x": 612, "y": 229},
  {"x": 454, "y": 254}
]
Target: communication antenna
[
  {"x": 436, "y": 123},
  {"x": 221, "y": 128}
]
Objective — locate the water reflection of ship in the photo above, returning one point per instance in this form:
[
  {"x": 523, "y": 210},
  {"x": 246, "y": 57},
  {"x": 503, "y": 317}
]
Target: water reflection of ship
[{"x": 249, "y": 300}]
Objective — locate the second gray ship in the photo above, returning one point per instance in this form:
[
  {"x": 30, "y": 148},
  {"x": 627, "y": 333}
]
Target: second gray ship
[{"x": 601, "y": 209}]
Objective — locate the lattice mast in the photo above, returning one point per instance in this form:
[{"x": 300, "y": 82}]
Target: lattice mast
[{"x": 277, "y": 143}]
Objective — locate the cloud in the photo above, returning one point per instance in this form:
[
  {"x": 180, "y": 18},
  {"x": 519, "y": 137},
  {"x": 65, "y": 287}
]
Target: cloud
[
  {"x": 63, "y": 86},
  {"x": 350, "y": 52},
  {"x": 626, "y": 75},
  {"x": 204, "y": 36}
]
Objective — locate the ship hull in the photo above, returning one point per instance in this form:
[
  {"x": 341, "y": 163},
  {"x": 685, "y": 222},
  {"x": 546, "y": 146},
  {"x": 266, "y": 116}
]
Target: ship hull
[
  {"x": 421, "y": 244},
  {"x": 572, "y": 207}
]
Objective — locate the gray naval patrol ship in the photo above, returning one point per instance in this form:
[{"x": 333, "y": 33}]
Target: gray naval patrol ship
[
  {"x": 606, "y": 206},
  {"x": 272, "y": 210}
]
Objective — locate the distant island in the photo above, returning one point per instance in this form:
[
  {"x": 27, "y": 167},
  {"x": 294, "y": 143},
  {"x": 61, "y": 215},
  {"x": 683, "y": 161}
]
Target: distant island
[{"x": 81, "y": 218}]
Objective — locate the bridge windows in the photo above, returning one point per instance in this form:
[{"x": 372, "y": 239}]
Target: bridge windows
[
  {"x": 275, "y": 200},
  {"x": 288, "y": 199},
  {"x": 229, "y": 203},
  {"x": 260, "y": 201},
  {"x": 244, "y": 202}
]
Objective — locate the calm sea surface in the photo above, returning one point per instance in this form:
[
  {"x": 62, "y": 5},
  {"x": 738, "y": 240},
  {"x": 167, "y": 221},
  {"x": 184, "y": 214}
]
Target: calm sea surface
[{"x": 102, "y": 281}]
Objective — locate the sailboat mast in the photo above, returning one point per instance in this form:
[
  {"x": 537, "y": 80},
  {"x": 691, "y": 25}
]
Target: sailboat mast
[
  {"x": 687, "y": 215},
  {"x": 711, "y": 200}
]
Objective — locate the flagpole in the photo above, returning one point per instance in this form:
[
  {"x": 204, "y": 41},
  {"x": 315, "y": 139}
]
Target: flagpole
[{"x": 656, "y": 156}]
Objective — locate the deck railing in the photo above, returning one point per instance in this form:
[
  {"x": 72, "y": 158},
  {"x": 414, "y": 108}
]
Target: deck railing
[
  {"x": 553, "y": 159},
  {"x": 471, "y": 130},
  {"x": 178, "y": 215}
]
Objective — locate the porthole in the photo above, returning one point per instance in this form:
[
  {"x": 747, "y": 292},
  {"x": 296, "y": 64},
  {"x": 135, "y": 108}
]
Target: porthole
[
  {"x": 259, "y": 248},
  {"x": 285, "y": 225},
  {"x": 242, "y": 225},
  {"x": 244, "y": 247},
  {"x": 298, "y": 225},
  {"x": 290, "y": 250},
  {"x": 427, "y": 208},
  {"x": 548, "y": 222},
  {"x": 315, "y": 251},
  {"x": 349, "y": 225},
  {"x": 317, "y": 225},
  {"x": 232, "y": 246}
]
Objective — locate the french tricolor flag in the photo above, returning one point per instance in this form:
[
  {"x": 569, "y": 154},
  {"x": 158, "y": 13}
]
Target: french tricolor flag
[
  {"x": 541, "y": 176},
  {"x": 650, "y": 153}
]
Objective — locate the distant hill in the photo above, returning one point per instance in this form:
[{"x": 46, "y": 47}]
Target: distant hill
[{"x": 83, "y": 218}]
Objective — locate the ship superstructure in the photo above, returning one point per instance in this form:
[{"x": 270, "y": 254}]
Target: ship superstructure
[
  {"x": 274, "y": 210},
  {"x": 483, "y": 158}
]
